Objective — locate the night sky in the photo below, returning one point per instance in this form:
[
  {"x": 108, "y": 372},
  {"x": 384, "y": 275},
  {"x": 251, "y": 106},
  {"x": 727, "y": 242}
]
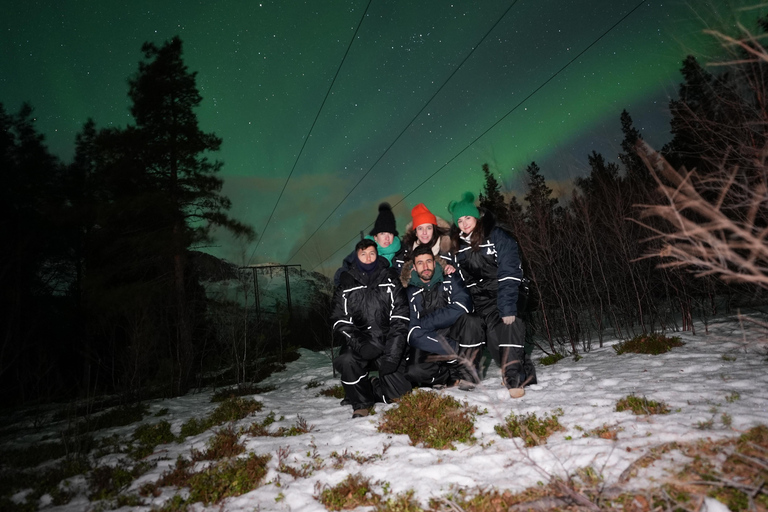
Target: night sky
[{"x": 527, "y": 92}]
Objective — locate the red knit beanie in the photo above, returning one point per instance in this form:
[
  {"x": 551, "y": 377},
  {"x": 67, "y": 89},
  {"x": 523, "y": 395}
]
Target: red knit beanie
[{"x": 421, "y": 215}]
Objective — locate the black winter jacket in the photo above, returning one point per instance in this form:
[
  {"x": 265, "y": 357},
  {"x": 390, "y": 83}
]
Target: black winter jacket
[
  {"x": 434, "y": 307},
  {"x": 493, "y": 272},
  {"x": 372, "y": 309}
]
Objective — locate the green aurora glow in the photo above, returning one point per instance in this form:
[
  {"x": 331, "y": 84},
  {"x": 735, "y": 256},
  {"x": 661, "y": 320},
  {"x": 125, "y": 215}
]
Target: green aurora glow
[{"x": 264, "y": 69}]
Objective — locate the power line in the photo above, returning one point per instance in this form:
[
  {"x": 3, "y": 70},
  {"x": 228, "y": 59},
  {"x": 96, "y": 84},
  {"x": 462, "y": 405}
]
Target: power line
[
  {"x": 498, "y": 121},
  {"x": 306, "y": 139},
  {"x": 403, "y": 130}
]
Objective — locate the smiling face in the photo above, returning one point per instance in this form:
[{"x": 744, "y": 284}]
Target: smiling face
[
  {"x": 467, "y": 224},
  {"x": 384, "y": 239},
  {"x": 367, "y": 255},
  {"x": 424, "y": 264},
  {"x": 424, "y": 233}
]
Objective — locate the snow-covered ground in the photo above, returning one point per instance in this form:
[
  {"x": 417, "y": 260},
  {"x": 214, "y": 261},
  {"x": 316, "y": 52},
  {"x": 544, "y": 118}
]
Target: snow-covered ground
[{"x": 715, "y": 373}]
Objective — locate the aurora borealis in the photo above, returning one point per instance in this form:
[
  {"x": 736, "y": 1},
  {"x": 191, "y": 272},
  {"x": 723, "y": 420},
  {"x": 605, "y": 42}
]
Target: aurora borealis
[{"x": 265, "y": 68}]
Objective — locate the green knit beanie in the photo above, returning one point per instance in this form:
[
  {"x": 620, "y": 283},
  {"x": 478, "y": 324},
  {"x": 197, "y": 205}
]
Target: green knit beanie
[{"x": 464, "y": 207}]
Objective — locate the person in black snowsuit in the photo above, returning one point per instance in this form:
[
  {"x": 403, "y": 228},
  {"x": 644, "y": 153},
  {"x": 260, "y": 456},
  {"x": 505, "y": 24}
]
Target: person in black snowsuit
[
  {"x": 446, "y": 340},
  {"x": 388, "y": 245},
  {"x": 488, "y": 261},
  {"x": 370, "y": 319}
]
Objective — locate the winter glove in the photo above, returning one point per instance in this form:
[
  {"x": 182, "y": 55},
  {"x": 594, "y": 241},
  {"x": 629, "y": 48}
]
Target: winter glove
[
  {"x": 508, "y": 320},
  {"x": 370, "y": 351},
  {"x": 386, "y": 367}
]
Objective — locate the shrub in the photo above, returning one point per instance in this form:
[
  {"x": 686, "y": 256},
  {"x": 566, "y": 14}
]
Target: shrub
[
  {"x": 336, "y": 391},
  {"x": 239, "y": 391},
  {"x": 116, "y": 417},
  {"x": 149, "y": 436},
  {"x": 641, "y": 405},
  {"x": 301, "y": 427},
  {"x": 492, "y": 500},
  {"x": 551, "y": 359},
  {"x": 106, "y": 482},
  {"x": 44, "y": 481},
  {"x": 532, "y": 429},
  {"x": 314, "y": 383},
  {"x": 605, "y": 432},
  {"x": 176, "y": 477},
  {"x": 231, "y": 409},
  {"x": 354, "y": 491},
  {"x": 230, "y": 478},
  {"x": 260, "y": 429},
  {"x": 436, "y": 421},
  {"x": 33, "y": 455},
  {"x": 402, "y": 502},
  {"x": 225, "y": 443},
  {"x": 653, "y": 344}
]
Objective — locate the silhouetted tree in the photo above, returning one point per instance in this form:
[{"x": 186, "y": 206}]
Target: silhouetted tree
[
  {"x": 491, "y": 198},
  {"x": 171, "y": 152},
  {"x": 32, "y": 276}
]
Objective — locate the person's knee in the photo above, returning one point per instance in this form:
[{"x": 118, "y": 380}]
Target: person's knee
[{"x": 345, "y": 360}]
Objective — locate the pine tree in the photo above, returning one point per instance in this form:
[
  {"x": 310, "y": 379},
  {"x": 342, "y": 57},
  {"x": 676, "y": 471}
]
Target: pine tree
[
  {"x": 159, "y": 195},
  {"x": 539, "y": 196},
  {"x": 491, "y": 198},
  {"x": 635, "y": 170},
  {"x": 173, "y": 150}
]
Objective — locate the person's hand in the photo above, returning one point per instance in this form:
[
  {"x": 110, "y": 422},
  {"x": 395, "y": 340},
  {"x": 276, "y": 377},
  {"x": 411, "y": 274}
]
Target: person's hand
[
  {"x": 386, "y": 367},
  {"x": 370, "y": 351},
  {"x": 449, "y": 269},
  {"x": 508, "y": 320}
]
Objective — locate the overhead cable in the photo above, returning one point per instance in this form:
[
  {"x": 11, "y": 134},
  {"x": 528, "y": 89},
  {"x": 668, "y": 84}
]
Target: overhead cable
[{"x": 497, "y": 122}]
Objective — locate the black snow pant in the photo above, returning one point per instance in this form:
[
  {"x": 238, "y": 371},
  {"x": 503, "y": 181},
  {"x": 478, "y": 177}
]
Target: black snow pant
[
  {"x": 506, "y": 344},
  {"x": 360, "y": 391},
  {"x": 429, "y": 369}
]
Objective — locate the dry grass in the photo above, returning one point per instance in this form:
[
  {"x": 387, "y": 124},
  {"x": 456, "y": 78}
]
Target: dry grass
[
  {"x": 653, "y": 344},
  {"x": 532, "y": 429},
  {"x": 354, "y": 491},
  {"x": 641, "y": 405}
]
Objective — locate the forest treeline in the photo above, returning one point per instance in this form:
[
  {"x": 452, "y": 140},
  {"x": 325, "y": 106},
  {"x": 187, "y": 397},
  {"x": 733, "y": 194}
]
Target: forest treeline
[
  {"x": 100, "y": 294},
  {"x": 99, "y": 290},
  {"x": 666, "y": 236}
]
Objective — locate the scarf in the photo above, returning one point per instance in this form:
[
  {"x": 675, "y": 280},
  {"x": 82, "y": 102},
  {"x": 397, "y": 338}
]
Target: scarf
[{"x": 388, "y": 252}]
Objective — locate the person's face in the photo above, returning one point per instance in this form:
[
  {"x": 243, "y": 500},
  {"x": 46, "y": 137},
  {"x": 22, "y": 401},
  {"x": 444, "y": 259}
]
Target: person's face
[
  {"x": 425, "y": 266},
  {"x": 467, "y": 224},
  {"x": 424, "y": 233},
  {"x": 384, "y": 239},
  {"x": 367, "y": 255}
]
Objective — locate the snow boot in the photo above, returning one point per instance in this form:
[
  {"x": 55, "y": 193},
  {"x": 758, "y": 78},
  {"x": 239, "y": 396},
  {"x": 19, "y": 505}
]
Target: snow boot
[{"x": 360, "y": 413}]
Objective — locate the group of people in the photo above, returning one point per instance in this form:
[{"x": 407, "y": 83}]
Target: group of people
[{"x": 421, "y": 311}]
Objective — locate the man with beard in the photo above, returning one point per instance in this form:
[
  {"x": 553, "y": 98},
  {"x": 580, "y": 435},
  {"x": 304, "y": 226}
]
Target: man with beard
[{"x": 446, "y": 340}]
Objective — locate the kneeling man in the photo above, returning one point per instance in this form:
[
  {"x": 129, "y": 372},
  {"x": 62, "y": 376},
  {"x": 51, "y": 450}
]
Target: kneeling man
[{"x": 446, "y": 340}]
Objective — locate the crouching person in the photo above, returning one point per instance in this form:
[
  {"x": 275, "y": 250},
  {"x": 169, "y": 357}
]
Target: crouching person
[
  {"x": 446, "y": 341},
  {"x": 370, "y": 319}
]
